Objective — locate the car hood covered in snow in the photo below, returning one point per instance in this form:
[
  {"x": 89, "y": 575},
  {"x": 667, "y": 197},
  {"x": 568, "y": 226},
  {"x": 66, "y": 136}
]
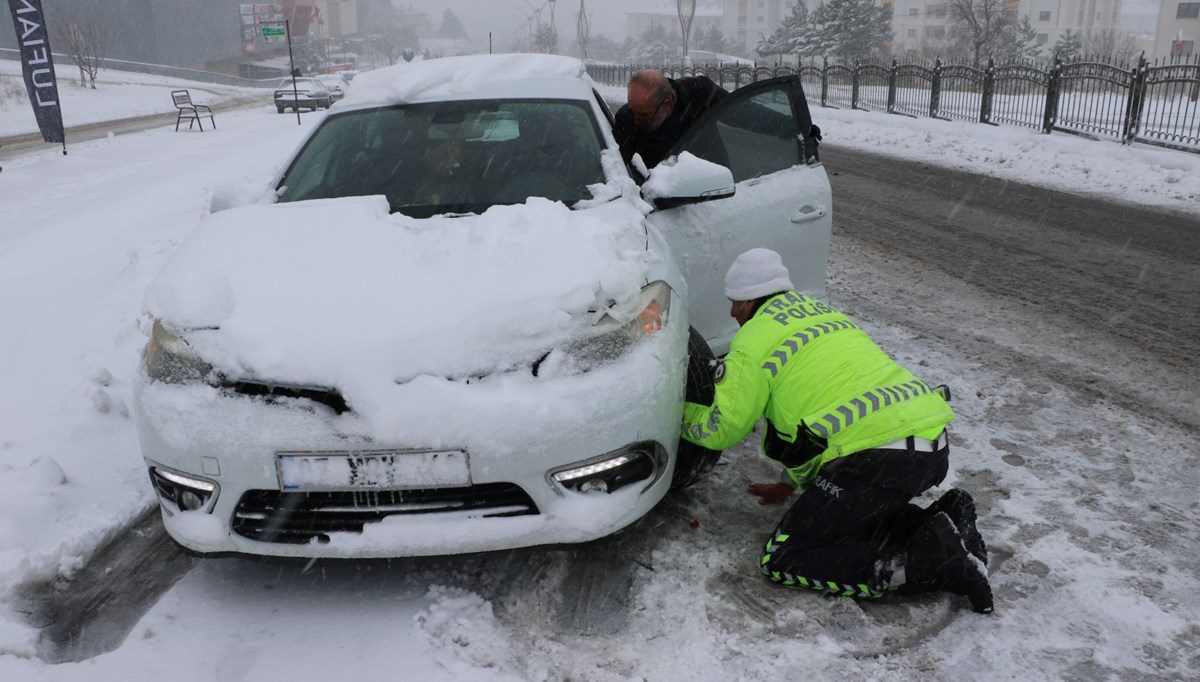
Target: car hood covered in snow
[{"x": 342, "y": 293}]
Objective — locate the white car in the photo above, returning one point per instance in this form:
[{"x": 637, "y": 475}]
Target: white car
[
  {"x": 301, "y": 93},
  {"x": 463, "y": 327},
  {"x": 335, "y": 84}
]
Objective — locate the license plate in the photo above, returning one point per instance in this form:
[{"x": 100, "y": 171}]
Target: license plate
[{"x": 373, "y": 470}]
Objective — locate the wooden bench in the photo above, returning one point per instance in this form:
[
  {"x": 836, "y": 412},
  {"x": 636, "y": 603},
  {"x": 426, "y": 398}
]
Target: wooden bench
[{"x": 190, "y": 110}]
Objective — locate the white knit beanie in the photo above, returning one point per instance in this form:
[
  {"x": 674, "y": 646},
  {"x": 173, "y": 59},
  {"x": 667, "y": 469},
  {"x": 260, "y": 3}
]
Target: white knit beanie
[{"x": 755, "y": 274}]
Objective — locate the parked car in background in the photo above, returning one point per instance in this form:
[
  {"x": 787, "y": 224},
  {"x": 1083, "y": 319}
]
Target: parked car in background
[
  {"x": 335, "y": 83},
  {"x": 463, "y": 327},
  {"x": 301, "y": 93}
]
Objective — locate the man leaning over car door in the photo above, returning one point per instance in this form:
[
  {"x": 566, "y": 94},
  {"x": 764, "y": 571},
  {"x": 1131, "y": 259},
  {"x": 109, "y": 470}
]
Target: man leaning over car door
[{"x": 860, "y": 435}]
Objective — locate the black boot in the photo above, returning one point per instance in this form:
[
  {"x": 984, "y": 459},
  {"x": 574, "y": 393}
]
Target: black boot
[
  {"x": 960, "y": 507},
  {"x": 937, "y": 560}
]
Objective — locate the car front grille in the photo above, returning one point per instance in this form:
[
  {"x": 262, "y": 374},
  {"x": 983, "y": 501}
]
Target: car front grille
[
  {"x": 325, "y": 396},
  {"x": 300, "y": 517}
]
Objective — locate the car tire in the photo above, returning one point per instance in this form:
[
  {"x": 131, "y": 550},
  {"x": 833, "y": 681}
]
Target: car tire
[
  {"x": 279, "y": 109},
  {"x": 694, "y": 462}
]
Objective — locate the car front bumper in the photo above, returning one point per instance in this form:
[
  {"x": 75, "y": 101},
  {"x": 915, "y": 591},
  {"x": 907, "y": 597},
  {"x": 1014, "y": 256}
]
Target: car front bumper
[{"x": 535, "y": 427}]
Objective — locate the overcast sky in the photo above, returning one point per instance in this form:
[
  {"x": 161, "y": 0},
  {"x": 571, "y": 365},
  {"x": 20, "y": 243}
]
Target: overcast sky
[{"x": 504, "y": 17}]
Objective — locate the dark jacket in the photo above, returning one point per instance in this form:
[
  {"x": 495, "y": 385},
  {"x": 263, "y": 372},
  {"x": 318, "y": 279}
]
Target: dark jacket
[{"x": 693, "y": 97}]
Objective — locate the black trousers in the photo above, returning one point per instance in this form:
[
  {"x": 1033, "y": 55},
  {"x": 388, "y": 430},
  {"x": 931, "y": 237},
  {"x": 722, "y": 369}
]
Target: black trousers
[{"x": 853, "y": 521}]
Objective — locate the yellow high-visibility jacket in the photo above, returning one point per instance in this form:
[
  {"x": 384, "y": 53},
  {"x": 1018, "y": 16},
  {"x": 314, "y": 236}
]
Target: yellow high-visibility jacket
[{"x": 813, "y": 373}]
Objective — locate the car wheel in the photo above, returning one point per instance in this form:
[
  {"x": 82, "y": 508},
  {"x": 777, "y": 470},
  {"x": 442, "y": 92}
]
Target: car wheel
[
  {"x": 279, "y": 109},
  {"x": 693, "y": 462}
]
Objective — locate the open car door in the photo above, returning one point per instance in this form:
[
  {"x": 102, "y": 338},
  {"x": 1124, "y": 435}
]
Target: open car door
[{"x": 763, "y": 134}]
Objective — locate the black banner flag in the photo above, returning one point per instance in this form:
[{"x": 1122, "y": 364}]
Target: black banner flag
[{"x": 34, "y": 42}]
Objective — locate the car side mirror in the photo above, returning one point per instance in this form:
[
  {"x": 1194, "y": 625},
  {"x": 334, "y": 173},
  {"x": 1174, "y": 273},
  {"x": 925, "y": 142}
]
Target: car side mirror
[{"x": 687, "y": 179}]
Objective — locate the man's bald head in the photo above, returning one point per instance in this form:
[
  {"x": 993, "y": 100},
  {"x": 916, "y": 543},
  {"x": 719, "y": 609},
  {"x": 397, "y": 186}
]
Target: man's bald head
[{"x": 651, "y": 99}]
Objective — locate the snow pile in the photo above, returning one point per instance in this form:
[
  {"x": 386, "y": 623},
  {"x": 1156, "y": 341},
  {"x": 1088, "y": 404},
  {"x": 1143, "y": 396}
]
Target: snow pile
[
  {"x": 360, "y": 298},
  {"x": 462, "y": 631},
  {"x": 678, "y": 176}
]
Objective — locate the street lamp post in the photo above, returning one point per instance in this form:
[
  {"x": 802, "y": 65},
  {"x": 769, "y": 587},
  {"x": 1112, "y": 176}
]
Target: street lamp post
[
  {"x": 582, "y": 29},
  {"x": 687, "y": 12}
]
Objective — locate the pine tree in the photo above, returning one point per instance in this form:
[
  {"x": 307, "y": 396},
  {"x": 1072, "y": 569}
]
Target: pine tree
[
  {"x": 714, "y": 40},
  {"x": 838, "y": 28},
  {"x": 1019, "y": 42},
  {"x": 452, "y": 26},
  {"x": 853, "y": 28},
  {"x": 1068, "y": 45},
  {"x": 791, "y": 33},
  {"x": 656, "y": 46}
]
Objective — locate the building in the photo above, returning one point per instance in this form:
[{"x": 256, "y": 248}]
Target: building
[
  {"x": 923, "y": 27},
  {"x": 1178, "y": 34},
  {"x": 216, "y": 35},
  {"x": 919, "y": 27},
  {"x": 1089, "y": 18}
]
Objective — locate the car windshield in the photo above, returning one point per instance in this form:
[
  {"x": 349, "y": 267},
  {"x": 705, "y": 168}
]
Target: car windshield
[
  {"x": 286, "y": 83},
  {"x": 452, "y": 157}
]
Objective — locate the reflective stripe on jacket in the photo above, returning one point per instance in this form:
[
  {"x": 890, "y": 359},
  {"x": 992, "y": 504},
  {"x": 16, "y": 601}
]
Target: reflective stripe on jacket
[{"x": 799, "y": 361}]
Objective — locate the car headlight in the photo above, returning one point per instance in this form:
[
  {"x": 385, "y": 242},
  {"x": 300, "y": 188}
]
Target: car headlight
[
  {"x": 634, "y": 463},
  {"x": 617, "y": 332},
  {"x": 168, "y": 358}
]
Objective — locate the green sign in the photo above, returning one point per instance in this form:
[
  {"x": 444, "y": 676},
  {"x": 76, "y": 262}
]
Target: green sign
[{"x": 270, "y": 31}]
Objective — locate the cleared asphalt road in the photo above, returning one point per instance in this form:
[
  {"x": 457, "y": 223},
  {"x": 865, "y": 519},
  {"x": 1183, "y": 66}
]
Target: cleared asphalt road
[{"x": 1119, "y": 283}]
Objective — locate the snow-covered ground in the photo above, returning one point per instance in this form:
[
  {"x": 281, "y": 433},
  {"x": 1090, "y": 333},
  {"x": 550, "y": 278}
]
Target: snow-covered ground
[
  {"x": 80, "y": 238},
  {"x": 118, "y": 94}
]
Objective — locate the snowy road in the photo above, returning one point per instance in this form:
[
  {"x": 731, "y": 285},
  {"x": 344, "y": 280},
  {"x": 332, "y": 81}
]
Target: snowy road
[{"x": 1068, "y": 337}]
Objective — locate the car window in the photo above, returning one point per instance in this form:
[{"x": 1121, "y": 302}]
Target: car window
[
  {"x": 753, "y": 133},
  {"x": 452, "y": 157}
]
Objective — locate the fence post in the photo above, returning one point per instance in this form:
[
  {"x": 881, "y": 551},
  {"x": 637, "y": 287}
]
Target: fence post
[
  {"x": 989, "y": 91},
  {"x": 935, "y": 93},
  {"x": 854, "y": 85},
  {"x": 825, "y": 81},
  {"x": 1050, "y": 115},
  {"x": 891, "y": 107},
  {"x": 1137, "y": 92}
]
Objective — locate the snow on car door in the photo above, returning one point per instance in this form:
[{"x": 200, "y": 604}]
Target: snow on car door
[{"x": 782, "y": 200}]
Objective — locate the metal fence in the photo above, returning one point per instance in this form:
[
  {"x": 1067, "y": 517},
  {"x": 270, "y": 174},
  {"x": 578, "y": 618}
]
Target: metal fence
[{"x": 1149, "y": 102}]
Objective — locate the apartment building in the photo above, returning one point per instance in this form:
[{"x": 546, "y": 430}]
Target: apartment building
[
  {"x": 746, "y": 22},
  {"x": 1088, "y": 18},
  {"x": 1178, "y": 34},
  {"x": 919, "y": 26}
]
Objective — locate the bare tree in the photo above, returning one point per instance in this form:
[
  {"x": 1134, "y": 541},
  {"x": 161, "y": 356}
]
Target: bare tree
[
  {"x": 981, "y": 22},
  {"x": 1118, "y": 46},
  {"x": 83, "y": 40}
]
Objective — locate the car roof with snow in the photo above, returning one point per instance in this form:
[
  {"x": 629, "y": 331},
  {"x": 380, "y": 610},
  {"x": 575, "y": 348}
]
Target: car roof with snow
[{"x": 508, "y": 76}]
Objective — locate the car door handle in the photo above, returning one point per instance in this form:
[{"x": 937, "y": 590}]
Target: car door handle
[{"x": 809, "y": 213}]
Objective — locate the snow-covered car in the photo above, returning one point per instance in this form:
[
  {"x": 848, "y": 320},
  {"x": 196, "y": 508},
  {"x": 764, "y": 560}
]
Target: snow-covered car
[
  {"x": 335, "y": 84},
  {"x": 301, "y": 93},
  {"x": 463, "y": 326}
]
